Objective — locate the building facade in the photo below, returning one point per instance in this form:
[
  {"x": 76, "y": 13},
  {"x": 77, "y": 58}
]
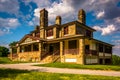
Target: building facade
[{"x": 70, "y": 42}]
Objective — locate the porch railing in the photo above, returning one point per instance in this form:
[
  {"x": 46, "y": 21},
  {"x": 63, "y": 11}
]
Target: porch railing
[
  {"x": 56, "y": 55},
  {"x": 71, "y": 51},
  {"x": 43, "y": 54},
  {"x": 91, "y": 52},
  {"x": 12, "y": 56}
]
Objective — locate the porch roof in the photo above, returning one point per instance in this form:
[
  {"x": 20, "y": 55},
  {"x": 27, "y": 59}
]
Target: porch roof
[{"x": 65, "y": 37}]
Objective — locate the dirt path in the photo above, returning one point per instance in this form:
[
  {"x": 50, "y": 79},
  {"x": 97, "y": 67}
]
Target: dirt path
[{"x": 28, "y": 66}]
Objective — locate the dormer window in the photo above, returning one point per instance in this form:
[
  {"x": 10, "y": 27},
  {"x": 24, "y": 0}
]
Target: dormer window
[
  {"x": 49, "y": 32},
  {"x": 65, "y": 30}
]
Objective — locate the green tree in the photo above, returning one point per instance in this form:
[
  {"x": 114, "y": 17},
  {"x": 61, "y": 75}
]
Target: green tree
[
  {"x": 4, "y": 51},
  {"x": 116, "y": 60},
  {"x": 13, "y": 43}
]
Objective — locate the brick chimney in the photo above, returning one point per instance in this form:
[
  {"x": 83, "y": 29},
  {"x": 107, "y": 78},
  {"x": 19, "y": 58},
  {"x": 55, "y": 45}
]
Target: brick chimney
[
  {"x": 82, "y": 16},
  {"x": 43, "y": 18},
  {"x": 58, "y": 20}
]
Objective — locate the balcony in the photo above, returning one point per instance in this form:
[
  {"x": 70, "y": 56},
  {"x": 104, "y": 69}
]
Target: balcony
[{"x": 91, "y": 52}]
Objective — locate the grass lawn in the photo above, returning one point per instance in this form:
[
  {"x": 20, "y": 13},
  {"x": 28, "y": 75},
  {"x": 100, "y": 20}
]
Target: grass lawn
[
  {"x": 78, "y": 66},
  {"x": 11, "y": 74},
  {"x": 6, "y": 60}
]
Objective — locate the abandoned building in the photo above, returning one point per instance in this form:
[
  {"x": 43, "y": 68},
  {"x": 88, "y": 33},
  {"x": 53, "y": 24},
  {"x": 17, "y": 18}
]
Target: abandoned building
[{"x": 70, "y": 42}]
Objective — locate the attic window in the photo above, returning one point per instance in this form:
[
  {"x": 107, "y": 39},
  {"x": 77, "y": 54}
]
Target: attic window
[
  {"x": 65, "y": 30},
  {"x": 49, "y": 32}
]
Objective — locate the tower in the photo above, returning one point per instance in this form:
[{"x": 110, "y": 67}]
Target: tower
[{"x": 82, "y": 16}]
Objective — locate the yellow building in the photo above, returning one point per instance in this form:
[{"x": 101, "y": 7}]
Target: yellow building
[{"x": 70, "y": 42}]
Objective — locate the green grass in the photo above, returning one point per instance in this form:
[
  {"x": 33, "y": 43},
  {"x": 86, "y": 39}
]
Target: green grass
[
  {"x": 6, "y": 60},
  {"x": 11, "y": 74},
  {"x": 78, "y": 66}
]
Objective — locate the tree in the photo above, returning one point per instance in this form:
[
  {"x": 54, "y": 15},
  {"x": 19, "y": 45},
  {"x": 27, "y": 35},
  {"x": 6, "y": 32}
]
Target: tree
[
  {"x": 116, "y": 60},
  {"x": 4, "y": 51},
  {"x": 13, "y": 43}
]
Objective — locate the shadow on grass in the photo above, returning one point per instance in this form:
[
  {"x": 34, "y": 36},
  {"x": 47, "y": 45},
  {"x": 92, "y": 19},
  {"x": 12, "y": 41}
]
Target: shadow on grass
[{"x": 11, "y": 73}]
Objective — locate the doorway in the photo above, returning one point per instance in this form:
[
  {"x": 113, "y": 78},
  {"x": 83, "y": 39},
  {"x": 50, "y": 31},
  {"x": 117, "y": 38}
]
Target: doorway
[{"x": 51, "y": 49}]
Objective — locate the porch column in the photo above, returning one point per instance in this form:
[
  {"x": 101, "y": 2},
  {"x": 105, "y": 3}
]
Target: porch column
[
  {"x": 40, "y": 50},
  {"x": 81, "y": 48},
  {"x": 31, "y": 47},
  {"x": 18, "y": 49},
  {"x": 11, "y": 53},
  {"x": 66, "y": 46},
  {"x": 103, "y": 61},
  {"x": 61, "y": 52}
]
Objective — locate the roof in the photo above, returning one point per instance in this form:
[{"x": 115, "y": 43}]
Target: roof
[
  {"x": 103, "y": 42},
  {"x": 70, "y": 23},
  {"x": 29, "y": 36}
]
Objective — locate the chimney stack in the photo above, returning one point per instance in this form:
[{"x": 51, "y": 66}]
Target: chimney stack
[
  {"x": 58, "y": 20},
  {"x": 82, "y": 16},
  {"x": 43, "y": 18}
]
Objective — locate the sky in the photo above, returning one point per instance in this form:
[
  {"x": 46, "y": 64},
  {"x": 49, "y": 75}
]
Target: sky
[{"x": 19, "y": 17}]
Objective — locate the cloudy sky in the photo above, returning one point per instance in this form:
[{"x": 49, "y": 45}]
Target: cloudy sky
[{"x": 19, "y": 17}]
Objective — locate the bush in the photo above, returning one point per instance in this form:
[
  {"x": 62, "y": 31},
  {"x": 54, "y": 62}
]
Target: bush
[{"x": 116, "y": 60}]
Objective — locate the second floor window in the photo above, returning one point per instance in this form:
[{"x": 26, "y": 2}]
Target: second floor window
[
  {"x": 49, "y": 32},
  {"x": 88, "y": 33},
  {"x": 65, "y": 30}
]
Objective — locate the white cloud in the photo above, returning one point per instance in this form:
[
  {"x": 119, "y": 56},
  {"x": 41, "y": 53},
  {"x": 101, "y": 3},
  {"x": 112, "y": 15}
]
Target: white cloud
[
  {"x": 9, "y": 6},
  {"x": 106, "y": 30},
  {"x": 7, "y": 24},
  {"x": 31, "y": 23},
  {"x": 117, "y": 20},
  {"x": 63, "y": 9},
  {"x": 100, "y": 14}
]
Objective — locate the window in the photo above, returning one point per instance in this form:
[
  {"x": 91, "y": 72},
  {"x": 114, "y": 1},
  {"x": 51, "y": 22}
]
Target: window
[
  {"x": 35, "y": 47},
  {"x": 100, "y": 47},
  {"x": 27, "y": 48},
  {"x": 49, "y": 32},
  {"x": 65, "y": 30},
  {"x": 87, "y": 47},
  {"x": 88, "y": 33},
  {"x": 72, "y": 44},
  {"x": 108, "y": 49}
]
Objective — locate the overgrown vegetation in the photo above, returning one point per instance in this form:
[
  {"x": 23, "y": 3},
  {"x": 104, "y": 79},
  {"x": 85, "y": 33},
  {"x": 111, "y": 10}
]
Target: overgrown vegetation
[
  {"x": 116, "y": 60},
  {"x": 78, "y": 66},
  {"x": 11, "y": 74}
]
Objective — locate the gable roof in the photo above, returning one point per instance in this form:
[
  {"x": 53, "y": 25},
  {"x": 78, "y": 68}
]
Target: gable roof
[{"x": 28, "y": 36}]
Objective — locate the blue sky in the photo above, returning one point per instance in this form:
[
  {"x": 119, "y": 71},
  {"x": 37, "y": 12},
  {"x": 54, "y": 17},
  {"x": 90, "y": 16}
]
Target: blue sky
[{"x": 19, "y": 17}]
